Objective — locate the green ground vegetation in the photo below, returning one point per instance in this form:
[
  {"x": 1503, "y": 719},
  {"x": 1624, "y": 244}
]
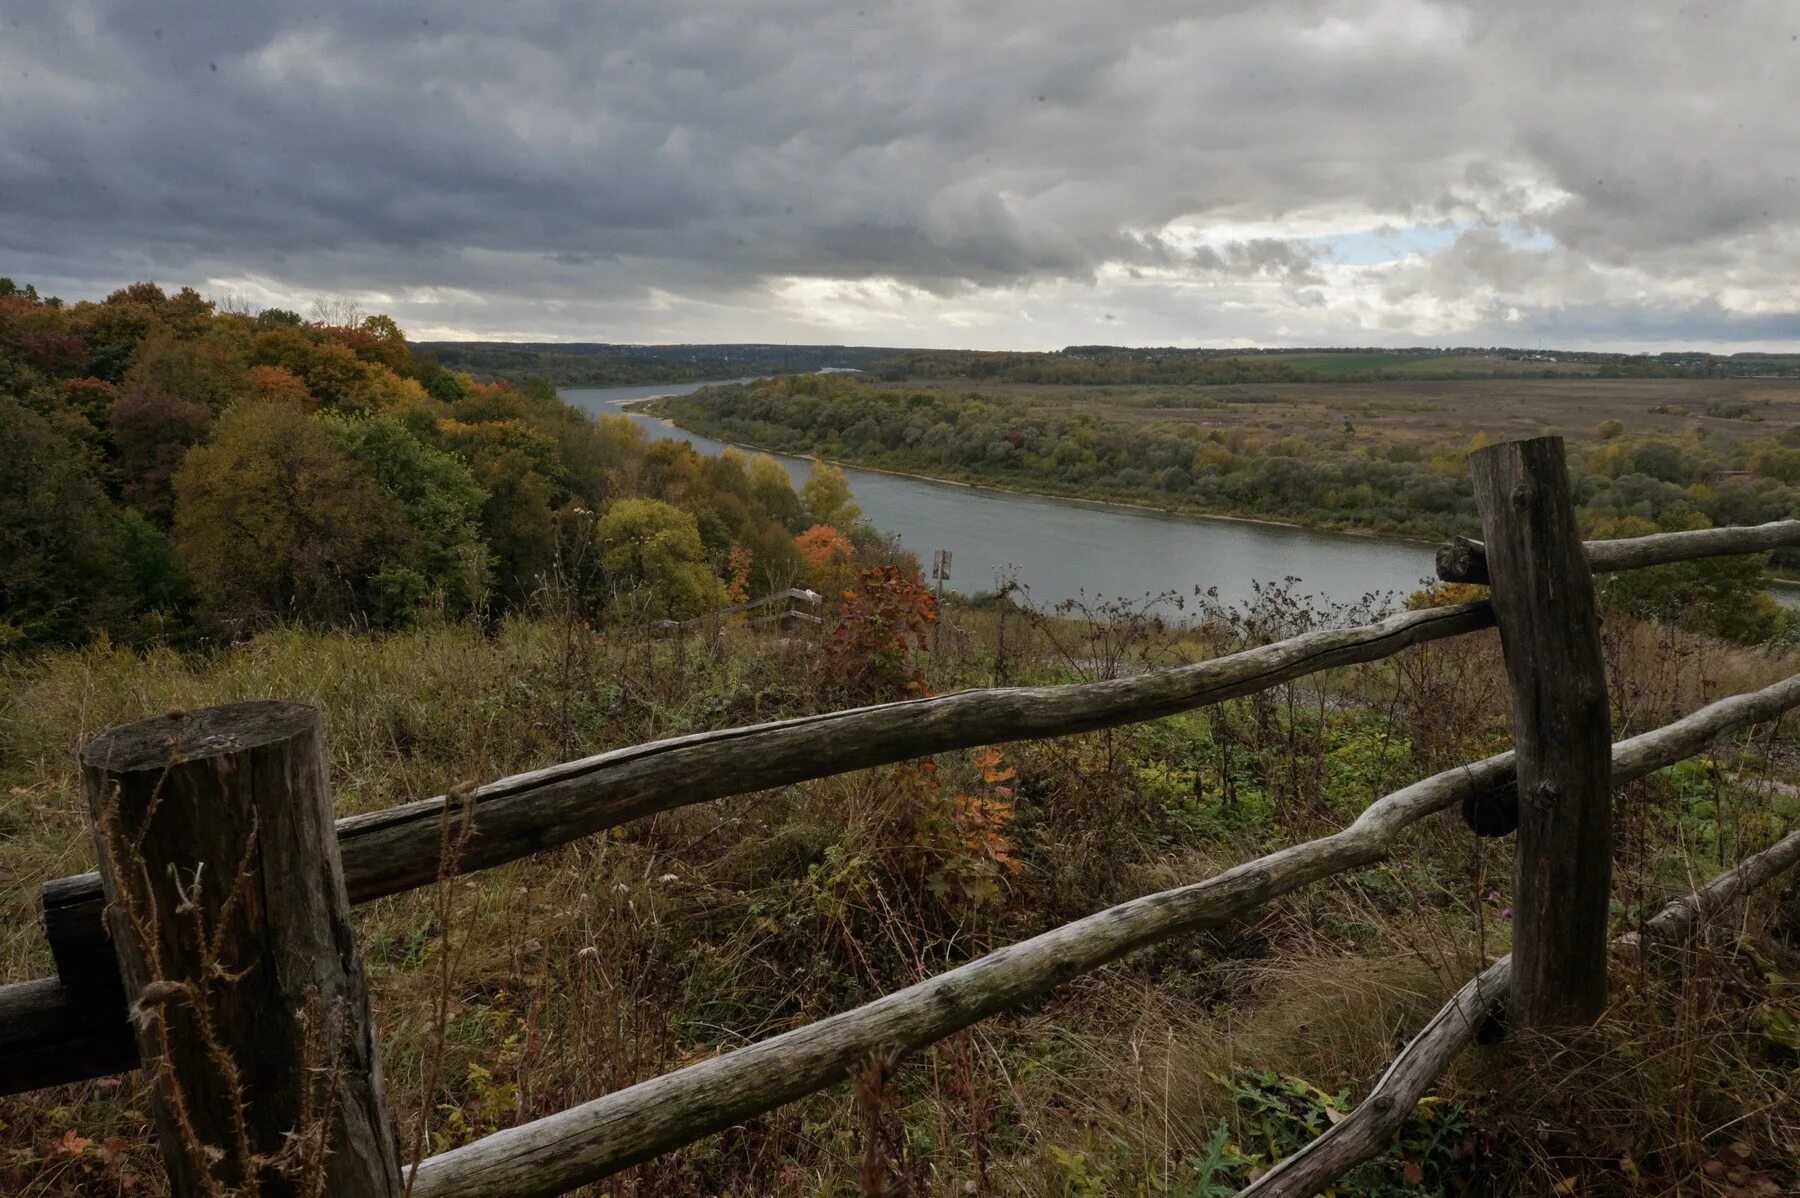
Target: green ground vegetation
[{"x": 1177, "y": 1072}]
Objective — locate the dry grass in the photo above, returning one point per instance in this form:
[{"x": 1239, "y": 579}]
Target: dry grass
[{"x": 606, "y": 962}]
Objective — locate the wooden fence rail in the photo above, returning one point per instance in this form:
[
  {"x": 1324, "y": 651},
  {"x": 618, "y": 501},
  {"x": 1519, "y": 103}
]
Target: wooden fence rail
[
  {"x": 1464, "y": 560},
  {"x": 598, "y": 1138},
  {"x": 790, "y": 596},
  {"x": 48, "y": 1034},
  {"x": 1371, "y": 1126},
  {"x": 73, "y": 1026}
]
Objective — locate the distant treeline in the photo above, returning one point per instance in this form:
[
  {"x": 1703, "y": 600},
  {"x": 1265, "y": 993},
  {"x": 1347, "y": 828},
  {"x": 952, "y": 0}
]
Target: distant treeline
[
  {"x": 1116, "y": 366},
  {"x": 598, "y": 365},
  {"x": 601, "y": 365}
]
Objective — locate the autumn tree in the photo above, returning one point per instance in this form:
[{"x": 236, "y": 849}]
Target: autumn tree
[
  {"x": 881, "y": 625},
  {"x": 348, "y": 479},
  {"x": 152, "y": 431},
  {"x": 275, "y": 519},
  {"x": 826, "y": 494},
  {"x": 828, "y": 554},
  {"x": 652, "y": 550}
]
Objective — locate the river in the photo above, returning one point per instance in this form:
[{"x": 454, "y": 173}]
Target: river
[{"x": 1068, "y": 549}]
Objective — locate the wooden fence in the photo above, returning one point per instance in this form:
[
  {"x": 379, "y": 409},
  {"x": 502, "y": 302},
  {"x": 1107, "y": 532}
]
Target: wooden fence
[
  {"x": 783, "y": 603},
  {"x": 216, "y": 847}
]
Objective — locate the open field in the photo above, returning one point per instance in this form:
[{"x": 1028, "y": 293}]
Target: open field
[
  {"x": 1427, "y": 410},
  {"x": 1346, "y": 362}
]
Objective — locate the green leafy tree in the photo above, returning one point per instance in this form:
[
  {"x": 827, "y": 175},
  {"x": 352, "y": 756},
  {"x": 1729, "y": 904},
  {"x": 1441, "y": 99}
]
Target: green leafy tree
[
  {"x": 441, "y": 504},
  {"x": 63, "y": 570},
  {"x": 653, "y": 549},
  {"x": 209, "y": 370},
  {"x": 521, "y": 471},
  {"x": 773, "y": 491},
  {"x": 275, "y": 519},
  {"x": 826, "y": 494},
  {"x": 1725, "y": 596},
  {"x": 162, "y": 594}
]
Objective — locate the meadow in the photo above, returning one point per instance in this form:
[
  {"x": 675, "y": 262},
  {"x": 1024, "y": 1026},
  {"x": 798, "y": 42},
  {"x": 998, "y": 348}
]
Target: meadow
[{"x": 1179, "y": 1071}]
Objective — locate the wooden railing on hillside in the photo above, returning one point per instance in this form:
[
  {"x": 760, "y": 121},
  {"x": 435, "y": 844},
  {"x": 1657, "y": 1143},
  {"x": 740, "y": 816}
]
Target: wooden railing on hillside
[
  {"x": 195, "y": 811},
  {"x": 782, "y": 604}
]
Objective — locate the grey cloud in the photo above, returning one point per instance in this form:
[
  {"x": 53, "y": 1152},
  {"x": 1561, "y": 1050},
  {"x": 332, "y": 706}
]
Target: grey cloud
[{"x": 573, "y": 166}]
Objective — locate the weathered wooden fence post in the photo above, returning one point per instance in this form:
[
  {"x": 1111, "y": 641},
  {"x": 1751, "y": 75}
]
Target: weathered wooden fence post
[
  {"x": 1543, "y": 595},
  {"x": 226, "y": 904}
]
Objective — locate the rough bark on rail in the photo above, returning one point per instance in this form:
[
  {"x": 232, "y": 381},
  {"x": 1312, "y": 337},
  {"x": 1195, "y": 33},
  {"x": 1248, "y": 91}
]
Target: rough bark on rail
[
  {"x": 1464, "y": 560},
  {"x": 388, "y": 852},
  {"x": 598, "y": 1138},
  {"x": 1367, "y": 1130}
]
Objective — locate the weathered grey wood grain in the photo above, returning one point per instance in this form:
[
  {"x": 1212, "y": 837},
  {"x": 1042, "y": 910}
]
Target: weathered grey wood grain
[
  {"x": 1371, "y": 1127},
  {"x": 225, "y": 898},
  {"x": 1682, "y": 916},
  {"x": 598, "y": 1138},
  {"x": 391, "y": 851},
  {"x": 1543, "y": 595},
  {"x": 1464, "y": 560}
]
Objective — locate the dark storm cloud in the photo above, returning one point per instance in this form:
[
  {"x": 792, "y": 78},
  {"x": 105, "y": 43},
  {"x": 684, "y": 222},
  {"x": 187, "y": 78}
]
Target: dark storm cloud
[{"x": 1024, "y": 172}]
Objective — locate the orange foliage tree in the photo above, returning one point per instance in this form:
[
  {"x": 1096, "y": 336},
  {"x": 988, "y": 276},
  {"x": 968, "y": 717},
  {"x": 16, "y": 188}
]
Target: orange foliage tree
[
  {"x": 827, "y": 554},
  {"x": 881, "y": 622},
  {"x": 737, "y": 582}
]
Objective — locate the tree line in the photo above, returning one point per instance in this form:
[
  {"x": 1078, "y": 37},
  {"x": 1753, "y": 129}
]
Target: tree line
[
  {"x": 170, "y": 472},
  {"x": 576, "y": 364},
  {"x": 1626, "y": 485},
  {"x": 1114, "y": 365}
]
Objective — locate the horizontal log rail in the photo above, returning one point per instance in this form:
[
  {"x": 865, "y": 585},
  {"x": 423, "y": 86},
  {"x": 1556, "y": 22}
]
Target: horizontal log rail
[
  {"x": 1366, "y": 1131},
  {"x": 792, "y": 594},
  {"x": 392, "y": 851},
  {"x": 596, "y": 1139},
  {"x": 1464, "y": 560},
  {"x": 74, "y": 1026},
  {"x": 389, "y": 852}
]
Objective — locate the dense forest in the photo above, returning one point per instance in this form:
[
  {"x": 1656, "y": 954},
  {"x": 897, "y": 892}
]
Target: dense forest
[
  {"x": 1626, "y": 484},
  {"x": 174, "y": 473},
  {"x": 575, "y": 364}
]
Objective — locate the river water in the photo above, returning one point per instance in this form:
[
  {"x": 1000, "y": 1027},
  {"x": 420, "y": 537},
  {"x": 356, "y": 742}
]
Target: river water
[{"x": 1066, "y": 549}]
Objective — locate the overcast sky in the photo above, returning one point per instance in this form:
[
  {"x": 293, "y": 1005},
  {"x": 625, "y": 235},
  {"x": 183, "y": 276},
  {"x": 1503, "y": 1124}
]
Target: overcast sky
[{"x": 1615, "y": 173}]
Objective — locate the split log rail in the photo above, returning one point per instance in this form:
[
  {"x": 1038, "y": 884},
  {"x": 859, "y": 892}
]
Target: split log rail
[{"x": 220, "y": 915}]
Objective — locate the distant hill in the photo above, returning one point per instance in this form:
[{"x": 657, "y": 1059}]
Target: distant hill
[{"x": 598, "y": 364}]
